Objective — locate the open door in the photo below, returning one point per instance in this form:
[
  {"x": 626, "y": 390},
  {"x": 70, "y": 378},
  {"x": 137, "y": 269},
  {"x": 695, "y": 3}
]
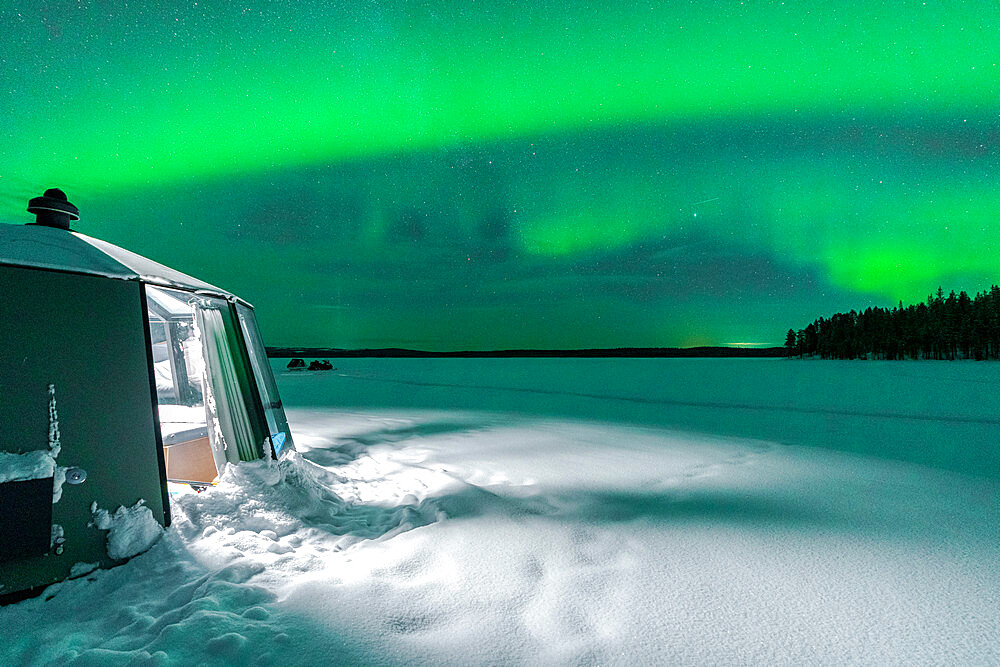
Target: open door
[
  {"x": 205, "y": 394},
  {"x": 179, "y": 368}
]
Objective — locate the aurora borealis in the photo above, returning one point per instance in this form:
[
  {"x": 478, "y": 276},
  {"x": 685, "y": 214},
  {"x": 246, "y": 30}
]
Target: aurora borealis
[{"x": 456, "y": 175}]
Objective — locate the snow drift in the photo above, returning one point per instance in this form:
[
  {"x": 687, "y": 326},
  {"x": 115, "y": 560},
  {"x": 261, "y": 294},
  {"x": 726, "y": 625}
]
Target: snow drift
[{"x": 400, "y": 535}]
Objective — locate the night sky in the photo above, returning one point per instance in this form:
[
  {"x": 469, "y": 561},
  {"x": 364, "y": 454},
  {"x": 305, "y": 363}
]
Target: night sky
[{"x": 485, "y": 174}]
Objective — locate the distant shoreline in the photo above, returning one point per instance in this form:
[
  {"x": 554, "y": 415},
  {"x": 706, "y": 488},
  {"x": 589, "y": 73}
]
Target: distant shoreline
[{"x": 617, "y": 352}]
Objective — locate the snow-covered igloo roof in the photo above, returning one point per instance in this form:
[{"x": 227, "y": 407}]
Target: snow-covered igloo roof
[{"x": 61, "y": 250}]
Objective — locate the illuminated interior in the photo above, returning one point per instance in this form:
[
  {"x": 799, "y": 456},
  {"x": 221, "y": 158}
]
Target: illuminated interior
[{"x": 179, "y": 367}]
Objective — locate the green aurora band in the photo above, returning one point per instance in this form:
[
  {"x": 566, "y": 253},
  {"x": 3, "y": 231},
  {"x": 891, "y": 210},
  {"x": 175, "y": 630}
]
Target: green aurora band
[{"x": 452, "y": 175}]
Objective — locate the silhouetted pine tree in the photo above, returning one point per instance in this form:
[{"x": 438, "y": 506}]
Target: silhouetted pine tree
[
  {"x": 945, "y": 327},
  {"x": 790, "y": 346}
]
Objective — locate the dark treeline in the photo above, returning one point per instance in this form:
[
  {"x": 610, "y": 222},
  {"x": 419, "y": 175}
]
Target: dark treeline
[
  {"x": 946, "y": 327},
  {"x": 333, "y": 353}
]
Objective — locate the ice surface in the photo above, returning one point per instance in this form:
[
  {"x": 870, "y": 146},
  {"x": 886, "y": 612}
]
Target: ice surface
[
  {"x": 941, "y": 414},
  {"x": 441, "y": 524}
]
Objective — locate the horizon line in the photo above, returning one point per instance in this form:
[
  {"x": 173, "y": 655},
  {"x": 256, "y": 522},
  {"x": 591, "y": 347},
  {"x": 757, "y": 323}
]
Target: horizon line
[{"x": 278, "y": 351}]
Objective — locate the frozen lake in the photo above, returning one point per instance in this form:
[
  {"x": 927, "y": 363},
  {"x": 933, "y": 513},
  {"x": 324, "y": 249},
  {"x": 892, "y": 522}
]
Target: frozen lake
[
  {"x": 563, "y": 511},
  {"x": 937, "y": 413}
]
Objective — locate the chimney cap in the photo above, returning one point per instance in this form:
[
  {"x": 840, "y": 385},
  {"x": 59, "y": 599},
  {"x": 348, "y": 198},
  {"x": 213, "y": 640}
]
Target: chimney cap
[{"x": 53, "y": 209}]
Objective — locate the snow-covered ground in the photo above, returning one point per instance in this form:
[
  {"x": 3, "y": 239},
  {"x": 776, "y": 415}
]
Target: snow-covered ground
[{"x": 575, "y": 512}]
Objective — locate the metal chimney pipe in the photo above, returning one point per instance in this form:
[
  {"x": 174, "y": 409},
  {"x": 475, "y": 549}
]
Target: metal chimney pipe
[{"x": 53, "y": 209}]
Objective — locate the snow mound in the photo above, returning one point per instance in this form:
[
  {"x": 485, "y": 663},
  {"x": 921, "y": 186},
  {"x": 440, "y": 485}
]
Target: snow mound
[{"x": 131, "y": 530}]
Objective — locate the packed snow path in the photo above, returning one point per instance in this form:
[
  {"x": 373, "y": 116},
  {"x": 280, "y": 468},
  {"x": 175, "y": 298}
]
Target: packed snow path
[{"x": 454, "y": 536}]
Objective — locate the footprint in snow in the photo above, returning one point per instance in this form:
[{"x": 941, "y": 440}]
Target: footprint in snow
[{"x": 700, "y": 470}]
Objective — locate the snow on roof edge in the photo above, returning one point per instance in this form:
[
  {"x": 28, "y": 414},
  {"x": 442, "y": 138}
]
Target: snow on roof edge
[
  {"x": 49, "y": 248},
  {"x": 41, "y": 247},
  {"x": 150, "y": 271}
]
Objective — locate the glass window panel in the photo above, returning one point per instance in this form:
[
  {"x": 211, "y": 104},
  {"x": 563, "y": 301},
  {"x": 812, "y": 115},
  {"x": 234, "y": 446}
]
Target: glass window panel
[{"x": 274, "y": 412}]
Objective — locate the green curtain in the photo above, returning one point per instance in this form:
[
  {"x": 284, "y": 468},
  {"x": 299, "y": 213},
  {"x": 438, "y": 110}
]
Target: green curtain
[{"x": 230, "y": 410}]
